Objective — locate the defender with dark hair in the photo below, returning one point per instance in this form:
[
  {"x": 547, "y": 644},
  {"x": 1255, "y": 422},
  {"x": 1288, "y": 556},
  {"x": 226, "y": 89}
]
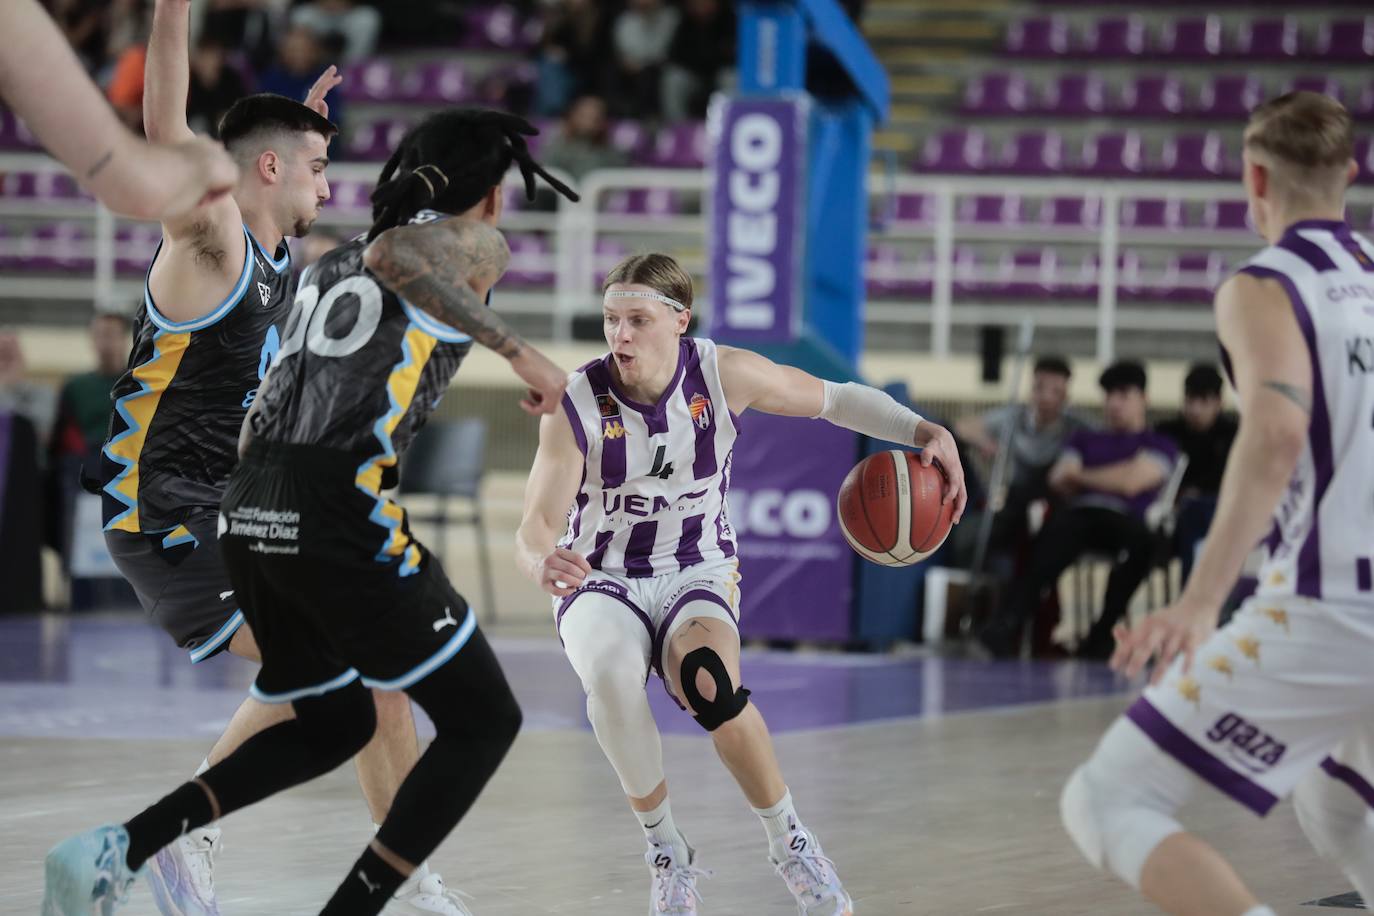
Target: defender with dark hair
[{"x": 339, "y": 594}]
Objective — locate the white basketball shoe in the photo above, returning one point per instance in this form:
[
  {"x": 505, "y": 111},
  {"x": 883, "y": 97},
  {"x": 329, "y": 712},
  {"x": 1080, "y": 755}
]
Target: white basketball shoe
[
  {"x": 428, "y": 896},
  {"x": 674, "y": 886},
  {"x": 182, "y": 874},
  {"x": 811, "y": 877}
]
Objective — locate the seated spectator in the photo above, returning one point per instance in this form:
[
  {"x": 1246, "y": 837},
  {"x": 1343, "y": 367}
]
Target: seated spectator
[
  {"x": 215, "y": 85},
  {"x": 582, "y": 142},
  {"x": 1108, "y": 479},
  {"x": 23, "y": 396},
  {"x": 125, "y": 90},
  {"x": 300, "y": 59},
  {"x": 703, "y": 47},
  {"x": 26, "y": 414},
  {"x": 358, "y": 24},
  {"x": 1204, "y": 434},
  {"x": 574, "y": 56},
  {"x": 249, "y": 25},
  {"x": 642, "y": 35},
  {"x": 1038, "y": 432}
]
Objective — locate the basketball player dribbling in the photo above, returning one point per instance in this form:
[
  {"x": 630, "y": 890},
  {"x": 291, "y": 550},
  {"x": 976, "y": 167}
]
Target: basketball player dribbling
[
  {"x": 1281, "y": 699},
  {"x": 625, "y": 524}
]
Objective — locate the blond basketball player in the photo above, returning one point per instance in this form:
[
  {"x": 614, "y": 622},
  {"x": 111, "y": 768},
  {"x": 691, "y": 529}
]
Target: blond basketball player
[
  {"x": 1281, "y": 699},
  {"x": 626, "y": 525}
]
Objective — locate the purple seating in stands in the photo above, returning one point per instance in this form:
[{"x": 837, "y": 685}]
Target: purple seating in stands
[
  {"x": 134, "y": 247},
  {"x": 680, "y": 146},
  {"x": 371, "y": 81},
  {"x": 501, "y": 27},
  {"x": 914, "y": 208},
  {"x": 1078, "y": 94},
  {"x": 1152, "y": 214},
  {"x": 351, "y": 196},
  {"x": 642, "y": 202},
  {"x": 890, "y": 272},
  {"x": 1072, "y": 212},
  {"x": 1364, "y": 158},
  {"x": 1033, "y": 153},
  {"x": 59, "y": 247},
  {"x": 14, "y": 134},
  {"x": 997, "y": 94},
  {"x": 959, "y": 150},
  {"x": 1364, "y": 106},
  {"x": 608, "y": 253},
  {"x": 1324, "y": 85},
  {"x": 1193, "y": 156},
  {"x": 1026, "y": 274},
  {"x": 1192, "y": 38},
  {"x": 631, "y": 138},
  {"x": 1114, "y": 37},
  {"x": 1045, "y": 36},
  {"x": 1226, "y": 215},
  {"x": 1346, "y": 40},
  {"x": 1192, "y": 277},
  {"x": 375, "y": 141},
  {"x": 1268, "y": 39},
  {"x": 530, "y": 261},
  {"x": 1231, "y": 95},
  {"x": 991, "y": 210},
  {"x": 1153, "y": 96},
  {"x": 41, "y": 185},
  {"x": 1112, "y": 155},
  {"x": 439, "y": 83}
]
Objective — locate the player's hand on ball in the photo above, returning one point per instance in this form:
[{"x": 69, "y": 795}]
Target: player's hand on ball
[
  {"x": 936, "y": 443},
  {"x": 562, "y": 572},
  {"x": 545, "y": 379},
  {"x": 1180, "y": 627}
]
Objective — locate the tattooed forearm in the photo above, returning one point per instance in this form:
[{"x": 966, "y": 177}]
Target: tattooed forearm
[
  {"x": 99, "y": 165},
  {"x": 433, "y": 266},
  {"x": 1295, "y": 394}
]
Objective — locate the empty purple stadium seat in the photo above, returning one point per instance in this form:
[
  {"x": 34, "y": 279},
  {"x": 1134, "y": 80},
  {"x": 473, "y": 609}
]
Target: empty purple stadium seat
[
  {"x": 1152, "y": 214},
  {"x": 371, "y": 81},
  {"x": 1364, "y": 105},
  {"x": 14, "y": 134},
  {"x": 913, "y": 208},
  {"x": 1231, "y": 95},
  {"x": 350, "y": 195},
  {"x": 1192, "y": 38},
  {"x": 1152, "y": 96},
  {"x": 443, "y": 82},
  {"x": 1045, "y": 36},
  {"x": 631, "y": 138},
  {"x": 997, "y": 94},
  {"x": 60, "y": 247},
  {"x": 1114, "y": 37},
  {"x": 608, "y": 253},
  {"x": 134, "y": 247},
  {"x": 959, "y": 150},
  {"x": 1226, "y": 215},
  {"x": 1193, "y": 277},
  {"x": 1346, "y": 39},
  {"x": 1026, "y": 274},
  {"x": 1033, "y": 153},
  {"x": 501, "y": 27},
  {"x": 641, "y": 202},
  {"x": 1072, "y": 212},
  {"x": 991, "y": 209},
  {"x": 375, "y": 141},
  {"x": 1076, "y": 94},
  {"x": 41, "y": 185},
  {"x": 530, "y": 261},
  {"x": 1193, "y": 156},
  {"x": 1112, "y": 155},
  {"x": 891, "y": 272},
  {"x": 1323, "y": 85},
  {"x": 1268, "y": 39},
  {"x": 1364, "y": 158},
  {"x": 680, "y": 146}
]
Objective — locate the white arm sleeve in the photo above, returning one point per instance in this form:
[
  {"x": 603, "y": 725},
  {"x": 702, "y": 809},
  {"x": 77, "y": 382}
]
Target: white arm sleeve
[{"x": 869, "y": 411}]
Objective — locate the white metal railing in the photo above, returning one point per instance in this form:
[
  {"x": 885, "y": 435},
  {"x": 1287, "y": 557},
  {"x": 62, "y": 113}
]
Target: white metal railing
[{"x": 569, "y": 253}]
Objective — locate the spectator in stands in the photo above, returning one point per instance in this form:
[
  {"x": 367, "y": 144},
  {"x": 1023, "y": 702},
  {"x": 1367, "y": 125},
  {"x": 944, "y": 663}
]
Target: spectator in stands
[
  {"x": 703, "y": 47},
  {"x": 1108, "y": 479},
  {"x": 1205, "y": 434},
  {"x": 300, "y": 58},
  {"x": 215, "y": 85},
  {"x": 643, "y": 32},
  {"x": 125, "y": 90},
  {"x": 358, "y": 24},
  {"x": 583, "y": 140},
  {"x": 21, "y": 395},
  {"x": 83, "y": 24},
  {"x": 574, "y": 55},
  {"x": 249, "y": 25}
]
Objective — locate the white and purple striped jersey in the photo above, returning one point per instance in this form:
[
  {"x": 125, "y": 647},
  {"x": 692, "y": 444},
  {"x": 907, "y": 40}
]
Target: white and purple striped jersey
[
  {"x": 655, "y": 477},
  {"x": 1322, "y": 541}
]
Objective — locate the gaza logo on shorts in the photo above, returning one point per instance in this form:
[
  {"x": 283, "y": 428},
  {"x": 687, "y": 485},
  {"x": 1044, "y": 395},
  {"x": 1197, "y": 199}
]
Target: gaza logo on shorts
[
  {"x": 1250, "y": 747},
  {"x": 700, "y": 408}
]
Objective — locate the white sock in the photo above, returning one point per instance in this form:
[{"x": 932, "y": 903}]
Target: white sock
[
  {"x": 419, "y": 874},
  {"x": 660, "y": 830},
  {"x": 204, "y": 765},
  {"x": 779, "y": 822},
  {"x": 1260, "y": 910}
]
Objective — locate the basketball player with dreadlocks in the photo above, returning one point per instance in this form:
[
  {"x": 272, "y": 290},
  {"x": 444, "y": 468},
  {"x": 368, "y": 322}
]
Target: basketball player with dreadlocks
[{"x": 338, "y": 593}]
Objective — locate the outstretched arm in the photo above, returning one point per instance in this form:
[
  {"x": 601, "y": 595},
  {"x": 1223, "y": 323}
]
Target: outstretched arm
[
  {"x": 548, "y": 495},
  {"x": 755, "y": 381},
  {"x": 167, "y": 76},
  {"x": 41, "y": 79},
  {"x": 438, "y": 267}
]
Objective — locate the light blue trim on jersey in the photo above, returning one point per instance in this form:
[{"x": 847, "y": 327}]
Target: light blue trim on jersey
[
  {"x": 342, "y": 680},
  {"x": 222, "y": 635},
  {"x": 279, "y": 266},
  {"x": 188, "y": 538},
  {"x": 389, "y": 451},
  {"x": 431, "y": 325},
  {"x": 224, "y": 308},
  {"x": 130, "y": 428},
  {"x": 449, "y": 650}
]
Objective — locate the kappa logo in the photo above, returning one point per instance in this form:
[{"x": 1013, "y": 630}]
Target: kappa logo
[
  {"x": 613, "y": 429},
  {"x": 700, "y": 409},
  {"x": 265, "y": 292},
  {"x": 607, "y": 406}
]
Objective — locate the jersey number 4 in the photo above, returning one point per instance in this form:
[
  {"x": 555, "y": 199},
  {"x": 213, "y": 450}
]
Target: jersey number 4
[{"x": 660, "y": 470}]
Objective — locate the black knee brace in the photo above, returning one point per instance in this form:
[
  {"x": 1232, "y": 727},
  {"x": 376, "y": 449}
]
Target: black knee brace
[{"x": 711, "y": 714}]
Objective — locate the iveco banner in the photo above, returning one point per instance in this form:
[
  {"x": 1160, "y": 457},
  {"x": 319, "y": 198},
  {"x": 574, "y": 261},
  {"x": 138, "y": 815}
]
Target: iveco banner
[{"x": 757, "y": 218}]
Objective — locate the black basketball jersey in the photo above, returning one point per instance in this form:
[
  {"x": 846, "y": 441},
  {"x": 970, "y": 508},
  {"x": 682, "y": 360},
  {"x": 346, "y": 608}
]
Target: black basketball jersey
[
  {"x": 359, "y": 371},
  {"x": 179, "y": 406}
]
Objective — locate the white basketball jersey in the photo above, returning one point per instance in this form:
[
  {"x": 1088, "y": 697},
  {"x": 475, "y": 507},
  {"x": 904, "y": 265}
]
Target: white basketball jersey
[
  {"x": 1322, "y": 540},
  {"x": 654, "y": 484}
]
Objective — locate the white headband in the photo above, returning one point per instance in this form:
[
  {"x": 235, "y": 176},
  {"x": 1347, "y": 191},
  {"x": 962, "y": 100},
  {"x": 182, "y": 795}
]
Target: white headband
[{"x": 633, "y": 294}]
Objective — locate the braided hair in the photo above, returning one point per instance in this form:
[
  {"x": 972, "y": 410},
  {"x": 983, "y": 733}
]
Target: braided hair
[{"x": 450, "y": 160}]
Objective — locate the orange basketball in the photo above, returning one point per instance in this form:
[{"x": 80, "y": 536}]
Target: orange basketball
[{"x": 891, "y": 511}]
